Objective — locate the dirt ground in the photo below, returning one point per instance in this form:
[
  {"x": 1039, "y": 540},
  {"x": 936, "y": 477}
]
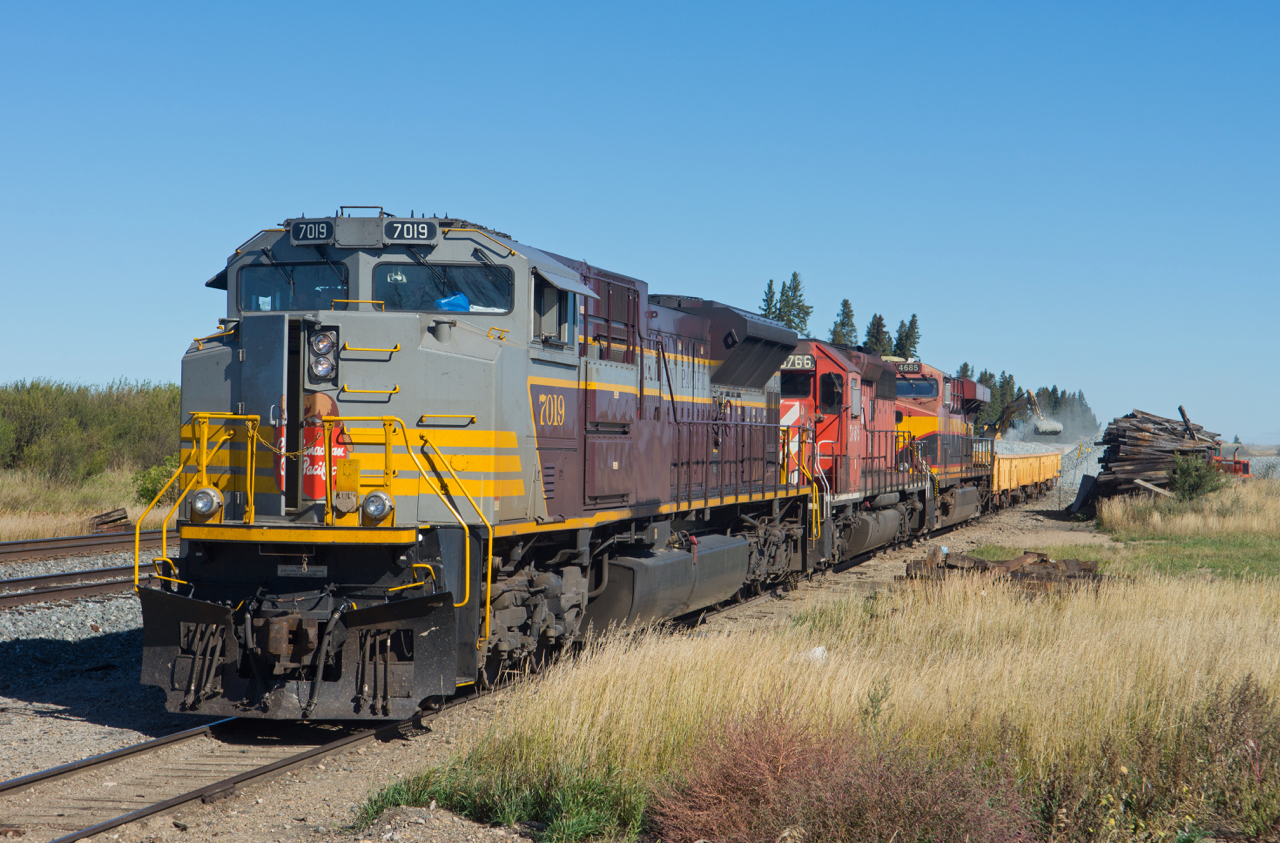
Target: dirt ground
[{"x": 319, "y": 803}]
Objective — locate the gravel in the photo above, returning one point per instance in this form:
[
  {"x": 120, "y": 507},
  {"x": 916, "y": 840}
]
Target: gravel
[
  {"x": 69, "y": 679},
  {"x": 1265, "y": 467},
  {"x": 70, "y": 620},
  {"x": 38, "y": 567}
]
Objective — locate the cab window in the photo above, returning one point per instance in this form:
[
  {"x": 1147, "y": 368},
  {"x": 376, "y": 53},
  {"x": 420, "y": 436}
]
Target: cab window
[
  {"x": 292, "y": 286},
  {"x": 917, "y": 388},
  {"x": 552, "y": 313},
  {"x": 831, "y": 392},
  {"x": 797, "y": 384},
  {"x": 444, "y": 287}
]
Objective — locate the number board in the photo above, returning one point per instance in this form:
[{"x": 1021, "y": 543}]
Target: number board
[
  {"x": 909, "y": 367},
  {"x": 308, "y": 232},
  {"x": 409, "y": 231},
  {"x": 799, "y": 361}
]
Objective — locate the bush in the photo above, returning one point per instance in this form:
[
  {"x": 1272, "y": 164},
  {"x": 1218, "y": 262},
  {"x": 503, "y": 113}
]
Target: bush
[
  {"x": 66, "y": 433},
  {"x": 771, "y": 779},
  {"x": 148, "y": 482},
  {"x": 1193, "y": 477}
]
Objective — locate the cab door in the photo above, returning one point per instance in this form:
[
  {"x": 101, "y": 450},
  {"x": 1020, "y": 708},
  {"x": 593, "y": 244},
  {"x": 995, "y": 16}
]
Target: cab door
[
  {"x": 830, "y": 433},
  {"x": 264, "y": 392}
]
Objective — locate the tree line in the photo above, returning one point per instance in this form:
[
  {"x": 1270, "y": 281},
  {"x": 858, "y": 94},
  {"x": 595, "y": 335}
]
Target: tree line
[{"x": 786, "y": 304}]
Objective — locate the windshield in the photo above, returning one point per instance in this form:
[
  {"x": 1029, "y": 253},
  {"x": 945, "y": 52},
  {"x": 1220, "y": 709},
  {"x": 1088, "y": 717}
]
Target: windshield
[
  {"x": 292, "y": 286},
  {"x": 917, "y": 388},
  {"x": 469, "y": 288},
  {"x": 797, "y": 384}
]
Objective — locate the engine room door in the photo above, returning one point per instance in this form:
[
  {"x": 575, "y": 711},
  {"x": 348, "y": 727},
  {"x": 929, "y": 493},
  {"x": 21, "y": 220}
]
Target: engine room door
[{"x": 264, "y": 390}]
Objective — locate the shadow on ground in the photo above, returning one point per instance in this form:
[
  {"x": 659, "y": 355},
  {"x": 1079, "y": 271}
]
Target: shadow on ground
[{"x": 95, "y": 679}]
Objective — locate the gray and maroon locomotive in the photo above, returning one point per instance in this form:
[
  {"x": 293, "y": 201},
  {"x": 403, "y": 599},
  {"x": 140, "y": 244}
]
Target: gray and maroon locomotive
[{"x": 417, "y": 452}]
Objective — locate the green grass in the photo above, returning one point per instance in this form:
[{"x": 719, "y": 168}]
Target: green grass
[
  {"x": 1224, "y": 556},
  {"x": 561, "y": 805}
]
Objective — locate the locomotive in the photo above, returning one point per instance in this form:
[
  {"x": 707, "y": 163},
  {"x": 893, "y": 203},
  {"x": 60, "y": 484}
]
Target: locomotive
[{"x": 417, "y": 453}]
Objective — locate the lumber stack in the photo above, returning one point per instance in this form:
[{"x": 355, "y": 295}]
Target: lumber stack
[{"x": 1141, "y": 447}]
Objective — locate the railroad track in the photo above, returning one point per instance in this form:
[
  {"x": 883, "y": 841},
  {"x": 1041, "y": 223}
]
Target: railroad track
[
  {"x": 77, "y": 545},
  {"x": 205, "y": 764},
  {"x": 69, "y": 585}
]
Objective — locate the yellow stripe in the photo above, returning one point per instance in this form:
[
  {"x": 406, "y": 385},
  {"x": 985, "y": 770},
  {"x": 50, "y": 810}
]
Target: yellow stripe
[
  {"x": 523, "y": 527},
  {"x": 302, "y": 535}
]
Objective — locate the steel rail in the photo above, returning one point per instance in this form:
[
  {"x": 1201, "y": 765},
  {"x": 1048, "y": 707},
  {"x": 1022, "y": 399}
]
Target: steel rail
[
  {"x": 70, "y": 585},
  {"x": 111, "y": 757},
  {"x": 228, "y": 786},
  {"x": 76, "y": 545}
]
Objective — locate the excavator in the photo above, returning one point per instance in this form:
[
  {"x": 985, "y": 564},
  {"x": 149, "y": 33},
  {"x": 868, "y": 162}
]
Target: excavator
[{"x": 1026, "y": 401}]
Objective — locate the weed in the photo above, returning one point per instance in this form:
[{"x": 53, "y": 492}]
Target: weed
[{"x": 770, "y": 778}]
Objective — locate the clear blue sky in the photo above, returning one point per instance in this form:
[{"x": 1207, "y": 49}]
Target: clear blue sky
[{"x": 1083, "y": 194}]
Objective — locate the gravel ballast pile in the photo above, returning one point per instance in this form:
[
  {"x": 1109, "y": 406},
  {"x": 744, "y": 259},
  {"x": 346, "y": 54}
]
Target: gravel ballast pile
[
  {"x": 1011, "y": 448},
  {"x": 1268, "y": 467}
]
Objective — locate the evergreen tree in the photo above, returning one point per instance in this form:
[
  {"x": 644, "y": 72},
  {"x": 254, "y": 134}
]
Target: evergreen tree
[
  {"x": 907, "y": 339},
  {"x": 845, "y": 330},
  {"x": 900, "y": 340},
  {"x": 965, "y": 371},
  {"x": 877, "y": 336},
  {"x": 988, "y": 379},
  {"x": 769, "y": 307},
  {"x": 792, "y": 310}
]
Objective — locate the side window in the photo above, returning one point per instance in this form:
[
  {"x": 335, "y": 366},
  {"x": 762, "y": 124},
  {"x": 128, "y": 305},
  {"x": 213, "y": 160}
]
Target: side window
[
  {"x": 855, "y": 397},
  {"x": 552, "y": 313},
  {"x": 831, "y": 392}
]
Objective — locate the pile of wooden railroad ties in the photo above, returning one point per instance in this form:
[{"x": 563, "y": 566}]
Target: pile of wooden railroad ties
[
  {"x": 1033, "y": 571},
  {"x": 1140, "y": 448}
]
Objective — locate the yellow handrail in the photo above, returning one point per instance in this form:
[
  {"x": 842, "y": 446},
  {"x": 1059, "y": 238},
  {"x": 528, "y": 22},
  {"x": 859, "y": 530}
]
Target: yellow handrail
[
  {"x": 346, "y": 347},
  {"x": 482, "y": 233},
  {"x": 201, "y": 456},
  {"x": 137, "y": 530},
  {"x": 403, "y": 429},
  {"x": 250, "y": 240},
  {"x": 199, "y": 341},
  {"x": 489, "y": 559},
  {"x": 332, "y": 302},
  {"x": 346, "y": 388}
]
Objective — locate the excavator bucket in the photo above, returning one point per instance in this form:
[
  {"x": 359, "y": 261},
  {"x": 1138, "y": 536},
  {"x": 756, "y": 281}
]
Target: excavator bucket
[{"x": 1044, "y": 427}]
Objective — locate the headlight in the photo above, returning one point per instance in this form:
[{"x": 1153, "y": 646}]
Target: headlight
[
  {"x": 323, "y": 342},
  {"x": 206, "y": 501},
  {"x": 322, "y": 367},
  {"x": 378, "y": 505}
]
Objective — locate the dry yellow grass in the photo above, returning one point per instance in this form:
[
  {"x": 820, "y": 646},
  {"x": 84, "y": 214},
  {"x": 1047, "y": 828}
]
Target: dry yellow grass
[
  {"x": 968, "y": 662},
  {"x": 1242, "y": 508},
  {"x": 33, "y": 508}
]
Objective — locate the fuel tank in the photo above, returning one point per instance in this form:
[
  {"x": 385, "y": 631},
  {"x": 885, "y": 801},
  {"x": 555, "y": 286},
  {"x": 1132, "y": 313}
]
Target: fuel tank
[{"x": 670, "y": 582}]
